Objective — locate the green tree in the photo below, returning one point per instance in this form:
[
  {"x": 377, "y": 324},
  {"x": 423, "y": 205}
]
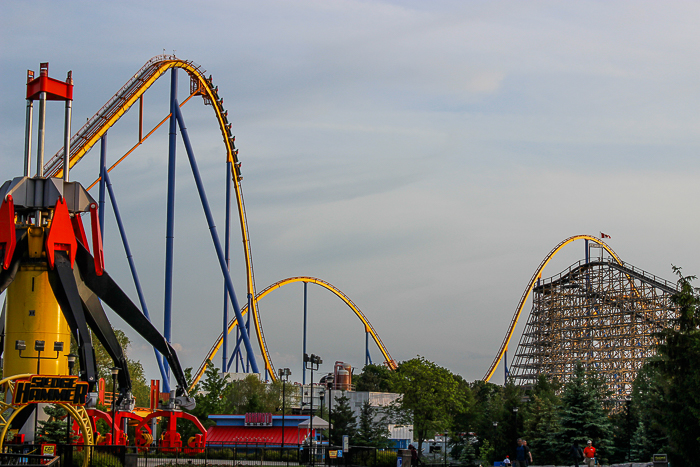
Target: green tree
[
  {"x": 647, "y": 409},
  {"x": 677, "y": 383},
  {"x": 55, "y": 429},
  {"x": 463, "y": 421},
  {"x": 343, "y": 420},
  {"x": 429, "y": 396},
  {"x": 252, "y": 395},
  {"x": 468, "y": 454},
  {"x": 372, "y": 427},
  {"x": 541, "y": 422},
  {"x": 582, "y": 415},
  {"x": 488, "y": 411},
  {"x": 374, "y": 378},
  {"x": 210, "y": 394}
]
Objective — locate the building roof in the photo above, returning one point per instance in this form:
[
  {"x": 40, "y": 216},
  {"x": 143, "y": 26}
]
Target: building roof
[{"x": 230, "y": 435}]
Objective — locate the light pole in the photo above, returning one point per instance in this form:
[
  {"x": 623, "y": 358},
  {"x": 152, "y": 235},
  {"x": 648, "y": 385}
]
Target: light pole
[
  {"x": 444, "y": 439},
  {"x": 312, "y": 362},
  {"x": 495, "y": 429},
  {"x": 115, "y": 372},
  {"x": 330, "y": 412},
  {"x": 284, "y": 377},
  {"x": 322, "y": 397},
  {"x": 515, "y": 425}
]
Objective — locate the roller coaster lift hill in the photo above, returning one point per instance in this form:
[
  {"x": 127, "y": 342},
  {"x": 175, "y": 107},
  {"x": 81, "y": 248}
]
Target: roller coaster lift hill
[{"x": 55, "y": 285}]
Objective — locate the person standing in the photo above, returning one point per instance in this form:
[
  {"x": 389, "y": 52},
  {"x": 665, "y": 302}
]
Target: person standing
[
  {"x": 575, "y": 453},
  {"x": 589, "y": 454},
  {"x": 506, "y": 461},
  {"x": 528, "y": 453}
]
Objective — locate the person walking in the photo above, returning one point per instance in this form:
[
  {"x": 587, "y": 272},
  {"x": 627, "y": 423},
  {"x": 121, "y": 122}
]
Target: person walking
[
  {"x": 589, "y": 454},
  {"x": 506, "y": 461},
  {"x": 575, "y": 453},
  {"x": 414, "y": 456},
  {"x": 522, "y": 453}
]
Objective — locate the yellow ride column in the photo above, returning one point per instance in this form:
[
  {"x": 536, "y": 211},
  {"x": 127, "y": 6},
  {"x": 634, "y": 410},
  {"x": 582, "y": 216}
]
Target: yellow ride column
[{"x": 33, "y": 314}]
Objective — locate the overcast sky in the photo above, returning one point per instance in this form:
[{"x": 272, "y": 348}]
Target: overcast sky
[{"x": 423, "y": 157}]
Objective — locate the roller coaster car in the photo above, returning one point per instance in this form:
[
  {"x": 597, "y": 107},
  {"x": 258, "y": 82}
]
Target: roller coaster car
[{"x": 77, "y": 279}]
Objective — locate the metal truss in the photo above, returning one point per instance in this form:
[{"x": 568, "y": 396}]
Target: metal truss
[{"x": 600, "y": 313}]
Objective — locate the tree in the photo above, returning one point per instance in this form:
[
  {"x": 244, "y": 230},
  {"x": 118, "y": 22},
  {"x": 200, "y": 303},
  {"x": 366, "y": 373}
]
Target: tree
[
  {"x": 372, "y": 427},
  {"x": 374, "y": 378},
  {"x": 54, "y": 430},
  {"x": 429, "y": 395},
  {"x": 676, "y": 384},
  {"x": 464, "y": 421},
  {"x": 252, "y": 395},
  {"x": 647, "y": 410},
  {"x": 489, "y": 410},
  {"x": 582, "y": 415},
  {"x": 210, "y": 395},
  {"x": 541, "y": 422},
  {"x": 343, "y": 420}
]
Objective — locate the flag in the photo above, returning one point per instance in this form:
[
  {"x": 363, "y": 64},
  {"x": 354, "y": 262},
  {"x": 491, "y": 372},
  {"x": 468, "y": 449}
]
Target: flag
[{"x": 602, "y": 235}]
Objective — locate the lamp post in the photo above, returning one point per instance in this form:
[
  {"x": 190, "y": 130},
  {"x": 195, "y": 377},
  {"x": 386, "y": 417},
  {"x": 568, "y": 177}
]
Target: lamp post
[
  {"x": 495, "y": 429},
  {"x": 312, "y": 362},
  {"x": 330, "y": 411},
  {"x": 284, "y": 377},
  {"x": 115, "y": 372},
  {"x": 515, "y": 425},
  {"x": 444, "y": 441},
  {"x": 322, "y": 397}
]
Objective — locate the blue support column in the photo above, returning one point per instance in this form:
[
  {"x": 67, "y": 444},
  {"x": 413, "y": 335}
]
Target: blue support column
[
  {"x": 368, "y": 358},
  {"x": 132, "y": 265},
  {"x": 103, "y": 170},
  {"x": 303, "y": 366},
  {"x": 227, "y": 246},
  {"x": 214, "y": 235},
  {"x": 237, "y": 352},
  {"x": 170, "y": 221}
]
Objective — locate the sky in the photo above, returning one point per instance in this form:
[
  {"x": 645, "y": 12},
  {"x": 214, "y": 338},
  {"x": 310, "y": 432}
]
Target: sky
[{"x": 422, "y": 157}]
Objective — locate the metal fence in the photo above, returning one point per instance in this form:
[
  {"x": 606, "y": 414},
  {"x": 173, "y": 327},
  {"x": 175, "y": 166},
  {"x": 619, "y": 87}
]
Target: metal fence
[{"x": 212, "y": 455}]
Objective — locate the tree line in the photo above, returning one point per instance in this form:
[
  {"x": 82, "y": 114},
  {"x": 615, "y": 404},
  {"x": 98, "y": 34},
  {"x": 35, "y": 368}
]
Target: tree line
[{"x": 484, "y": 420}]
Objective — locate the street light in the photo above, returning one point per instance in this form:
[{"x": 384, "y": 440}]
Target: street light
[
  {"x": 284, "y": 377},
  {"x": 515, "y": 425},
  {"x": 495, "y": 427},
  {"x": 312, "y": 362},
  {"x": 115, "y": 372},
  {"x": 322, "y": 396},
  {"x": 445, "y": 442}
]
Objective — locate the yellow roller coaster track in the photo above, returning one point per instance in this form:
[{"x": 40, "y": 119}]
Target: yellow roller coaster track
[
  {"x": 97, "y": 126},
  {"x": 537, "y": 275},
  {"x": 368, "y": 326}
]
